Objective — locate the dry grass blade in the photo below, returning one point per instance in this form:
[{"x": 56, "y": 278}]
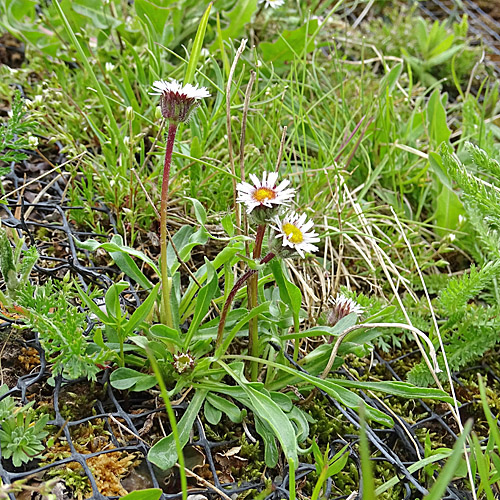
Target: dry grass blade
[
  {"x": 455, "y": 411},
  {"x": 229, "y": 130}
]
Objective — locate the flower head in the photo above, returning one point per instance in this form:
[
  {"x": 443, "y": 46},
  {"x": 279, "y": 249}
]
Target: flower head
[
  {"x": 272, "y": 3},
  {"x": 264, "y": 194},
  {"x": 341, "y": 307},
  {"x": 295, "y": 232},
  {"x": 183, "y": 362},
  {"x": 177, "y": 101}
]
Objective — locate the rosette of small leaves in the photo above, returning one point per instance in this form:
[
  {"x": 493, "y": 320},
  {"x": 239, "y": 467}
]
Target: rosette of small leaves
[
  {"x": 7, "y": 404},
  {"x": 21, "y": 436}
]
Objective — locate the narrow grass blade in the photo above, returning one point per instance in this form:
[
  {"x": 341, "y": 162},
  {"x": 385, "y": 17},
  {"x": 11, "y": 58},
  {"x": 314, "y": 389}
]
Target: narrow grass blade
[
  {"x": 197, "y": 46},
  {"x": 83, "y": 58},
  {"x": 444, "y": 479}
]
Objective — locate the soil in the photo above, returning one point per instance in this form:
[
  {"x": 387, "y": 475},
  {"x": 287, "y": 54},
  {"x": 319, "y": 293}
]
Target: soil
[
  {"x": 11, "y": 51},
  {"x": 16, "y": 360}
]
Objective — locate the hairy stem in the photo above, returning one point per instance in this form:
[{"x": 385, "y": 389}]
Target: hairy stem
[
  {"x": 253, "y": 324},
  {"x": 241, "y": 281},
  {"x": 165, "y": 310}
]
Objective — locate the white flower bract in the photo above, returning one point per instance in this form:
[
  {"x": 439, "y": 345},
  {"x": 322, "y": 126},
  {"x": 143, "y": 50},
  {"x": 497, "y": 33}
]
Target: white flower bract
[
  {"x": 296, "y": 232},
  {"x": 173, "y": 86},
  {"x": 264, "y": 193},
  {"x": 342, "y": 306},
  {"x": 348, "y": 305},
  {"x": 272, "y": 3}
]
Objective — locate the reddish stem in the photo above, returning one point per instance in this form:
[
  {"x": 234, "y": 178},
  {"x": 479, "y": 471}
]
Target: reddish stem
[
  {"x": 166, "y": 314},
  {"x": 241, "y": 281}
]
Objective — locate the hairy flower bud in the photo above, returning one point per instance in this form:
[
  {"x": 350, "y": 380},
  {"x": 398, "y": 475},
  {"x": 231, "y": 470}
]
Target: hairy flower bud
[{"x": 177, "y": 102}]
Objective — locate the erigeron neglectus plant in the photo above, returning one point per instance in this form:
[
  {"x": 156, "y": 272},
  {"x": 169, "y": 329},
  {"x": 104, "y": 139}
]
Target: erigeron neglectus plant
[
  {"x": 291, "y": 232},
  {"x": 177, "y": 102}
]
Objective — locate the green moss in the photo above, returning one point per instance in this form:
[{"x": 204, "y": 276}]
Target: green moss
[{"x": 255, "y": 456}]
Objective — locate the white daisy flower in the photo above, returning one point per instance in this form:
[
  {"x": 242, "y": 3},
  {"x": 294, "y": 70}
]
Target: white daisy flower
[
  {"x": 272, "y": 3},
  {"x": 264, "y": 193},
  {"x": 296, "y": 233},
  {"x": 177, "y": 101},
  {"x": 341, "y": 307}
]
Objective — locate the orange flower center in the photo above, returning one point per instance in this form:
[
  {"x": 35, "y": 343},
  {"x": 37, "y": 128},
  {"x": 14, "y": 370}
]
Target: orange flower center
[
  {"x": 263, "y": 194},
  {"x": 293, "y": 233}
]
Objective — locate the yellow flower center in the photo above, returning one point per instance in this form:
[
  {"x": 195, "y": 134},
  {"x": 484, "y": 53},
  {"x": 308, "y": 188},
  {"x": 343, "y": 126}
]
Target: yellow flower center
[
  {"x": 293, "y": 233},
  {"x": 262, "y": 194}
]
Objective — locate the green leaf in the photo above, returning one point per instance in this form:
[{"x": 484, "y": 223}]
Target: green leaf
[
  {"x": 436, "y": 120},
  {"x": 93, "y": 10},
  {"x": 270, "y": 449},
  {"x": 185, "y": 239},
  {"x": 197, "y": 46},
  {"x": 270, "y": 413},
  {"x": 228, "y": 224},
  {"x": 390, "y": 79},
  {"x": 340, "y": 327},
  {"x": 230, "y": 409},
  {"x": 402, "y": 389},
  {"x": 448, "y": 209},
  {"x": 166, "y": 333},
  {"x": 492, "y": 422},
  {"x": 126, "y": 378},
  {"x": 212, "y": 414},
  {"x": 444, "y": 56},
  {"x": 94, "y": 308},
  {"x": 290, "y": 293},
  {"x": 121, "y": 253},
  {"x": 290, "y": 44},
  {"x": 238, "y": 17},
  {"x": 142, "y": 311},
  {"x": 112, "y": 299},
  {"x": 150, "y": 494},
  {"x": 163, "y": 454},
  {"x": 155, "y": 15},
  {"x": 130, "y": 268},
  {"x": 337, "y": 462},
  {"x": 199, "y": 210},
  {"x": 205, "y": 295}
]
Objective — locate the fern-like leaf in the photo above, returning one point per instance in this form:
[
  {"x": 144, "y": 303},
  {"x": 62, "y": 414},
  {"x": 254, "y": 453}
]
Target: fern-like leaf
[
  {"x": 485, "y": 197},
  {"x": 462, "y": 289}
]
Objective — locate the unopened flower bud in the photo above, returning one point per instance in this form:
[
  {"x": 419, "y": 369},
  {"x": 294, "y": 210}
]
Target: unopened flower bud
[
  {"x": 342, "y": 307},
  {"x": 177, "y": 102},
  {"x": 129, "y": 113}
]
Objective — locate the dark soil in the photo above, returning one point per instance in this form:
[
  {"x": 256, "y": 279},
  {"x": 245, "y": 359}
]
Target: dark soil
[
  {"x": 16, "y": 359},
  {"x": 11, "y": 51}
]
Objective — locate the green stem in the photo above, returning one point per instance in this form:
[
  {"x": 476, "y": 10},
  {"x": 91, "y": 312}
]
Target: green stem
[
  {"x": 291, "y": 479},
  {"x": 122, "y": 353},
  {"x": 165, "y": 311},
  {"x": 173, "y": 422},
  {"x": 319, "y": 484},
  {"x": 253, "y": 298}
]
